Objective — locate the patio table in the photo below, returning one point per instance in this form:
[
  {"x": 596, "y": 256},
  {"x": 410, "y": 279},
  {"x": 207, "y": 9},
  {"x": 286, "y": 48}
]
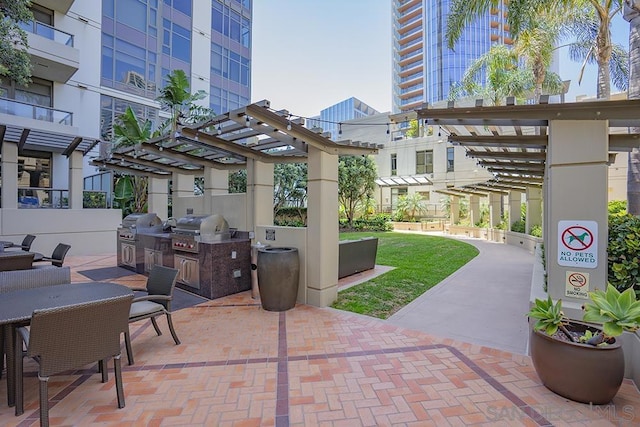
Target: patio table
[
  {"x": 7, "y": 244},
  {"x": 16, "y": 308}
]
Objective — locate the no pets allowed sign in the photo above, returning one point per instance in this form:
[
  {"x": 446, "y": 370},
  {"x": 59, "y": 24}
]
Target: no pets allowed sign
[{"x": 578, "y": 244}]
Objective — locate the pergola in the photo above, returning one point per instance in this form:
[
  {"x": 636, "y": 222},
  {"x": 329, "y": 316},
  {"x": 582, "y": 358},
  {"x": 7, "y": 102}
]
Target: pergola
[
  {"x": 44, "y": 140},
  {"x": 226, "y": 142}
]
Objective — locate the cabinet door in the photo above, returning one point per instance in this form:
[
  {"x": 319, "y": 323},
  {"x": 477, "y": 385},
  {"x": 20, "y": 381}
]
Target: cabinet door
[{"x": 189, "y": 271}]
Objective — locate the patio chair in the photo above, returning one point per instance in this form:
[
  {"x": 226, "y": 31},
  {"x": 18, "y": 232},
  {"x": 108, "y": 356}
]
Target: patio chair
[
  {"x": 57, "y": 257},
  {"x": 71, "y": 337},
  {"x": 160, "y": 285},
  {"x": 25, "y": 245}
]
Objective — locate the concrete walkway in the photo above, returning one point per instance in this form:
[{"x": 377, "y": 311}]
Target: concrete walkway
[{"x": 482, "y": 303}]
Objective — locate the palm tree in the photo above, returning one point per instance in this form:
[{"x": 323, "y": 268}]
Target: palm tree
[{"x": 632, "y": 14}]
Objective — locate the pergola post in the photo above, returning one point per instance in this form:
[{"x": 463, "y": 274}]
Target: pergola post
[
  {"x": 75, "y": 180},
  {"x": 9, "y": 176},
  {"x": 454, "y": 209},
  {"x": 515, "y": 202},
  {"x": 216, "y": 181},
  {"x": 259, "y": 193},
  {"x": 474, "y": 209},
  {"x": 576, "y": 208},
  {"x": 322, "y": 228},
  {"x": 182, "y": 184},
  {"x": 533, "y": 217},
  {"x": 495, "y": 209},
  {"x": 158, "y": 196}
]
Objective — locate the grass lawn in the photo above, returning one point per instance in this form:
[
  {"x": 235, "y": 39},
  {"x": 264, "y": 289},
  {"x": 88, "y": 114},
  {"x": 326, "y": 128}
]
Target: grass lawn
[{"x": 420, "y": 262}]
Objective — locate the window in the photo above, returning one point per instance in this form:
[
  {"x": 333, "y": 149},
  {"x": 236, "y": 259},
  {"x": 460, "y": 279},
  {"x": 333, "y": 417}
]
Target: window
[
  {"x": 450, "y": 158},
  {"x": 394, "y": 164},
  {"x": 424, "y": 162},
  {"x": 34, "y": 169}
]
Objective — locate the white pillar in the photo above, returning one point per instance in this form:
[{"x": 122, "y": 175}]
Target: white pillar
[
  {"x": 259, "y": 194},
  {"x": 474, "y": 209},
  {"x": 158, "y": 197},
  {"x": 322, "y": 228},
  {"x": 515, "y": 203},
  {"x": 454, "y": 209},
  {"x": 76, "y": 183},
  {"x": 9, "y": 175},
  {"x": 576, "y": 169},
  {"x": 216, "y": 181},
  {"x": 495, "y": 209},
  {"x": 534, "y": 207}
]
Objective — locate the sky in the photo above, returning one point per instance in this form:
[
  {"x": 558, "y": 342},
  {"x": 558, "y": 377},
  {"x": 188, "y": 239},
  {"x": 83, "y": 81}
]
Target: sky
[{"x": 310, "y": 54}]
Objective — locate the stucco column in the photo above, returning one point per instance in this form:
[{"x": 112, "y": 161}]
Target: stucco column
[
  {"x": 183, "y": 185},
  {"x": 495, "y": 209},
  {"x": 9, "y": 176},
  {"x": 576, "y": 250},
  {"x": 259, "y": 194},
  {"x": 158, "y": 197},
  {"x": 76, "y": 183},
  {"x": 515, "y": 202},
  {"x": 474, "y": 209},
  {"x": 216, "y": 181},
  {"x": 533, "y": 216},
  {"x": 322, "y": 228},
  {"x": 454, "y": 210}
]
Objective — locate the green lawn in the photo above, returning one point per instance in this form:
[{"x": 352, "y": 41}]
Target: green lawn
[{"x": 420, "y": 263}]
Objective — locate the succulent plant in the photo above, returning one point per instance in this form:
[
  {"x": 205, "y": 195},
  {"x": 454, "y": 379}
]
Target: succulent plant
[
  {"x": 616, "y": 311},
  {"x": 549, "y": 315}
]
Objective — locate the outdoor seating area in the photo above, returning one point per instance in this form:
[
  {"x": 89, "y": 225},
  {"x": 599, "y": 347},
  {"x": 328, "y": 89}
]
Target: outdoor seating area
[{"x": 241, "y": 365}]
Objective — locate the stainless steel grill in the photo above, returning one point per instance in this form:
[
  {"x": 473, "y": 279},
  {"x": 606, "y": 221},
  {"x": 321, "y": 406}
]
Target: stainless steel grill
[
  {"x": 139, "y": 223},
  {"x": 191, "y": 230}
]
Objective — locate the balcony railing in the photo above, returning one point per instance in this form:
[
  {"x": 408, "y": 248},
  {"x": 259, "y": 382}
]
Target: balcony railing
[
  {"x": 50, "y": 198},
  {"x": 37, "y": 112},
  {"x": 48, "y": 32}
]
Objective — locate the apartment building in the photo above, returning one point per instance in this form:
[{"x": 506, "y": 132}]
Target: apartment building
[
  {"x": 424, "y": 68},
  {"x": 91, "y": 59}
]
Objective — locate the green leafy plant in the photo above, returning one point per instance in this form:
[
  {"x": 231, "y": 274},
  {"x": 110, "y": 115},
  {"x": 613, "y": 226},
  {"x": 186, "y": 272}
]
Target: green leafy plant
[
  {"x": 536, "y": 231},
  {"x": 623, "y": 252},
  {"x": 549, "y": 315},
  {"x": 618, "y": 312}
]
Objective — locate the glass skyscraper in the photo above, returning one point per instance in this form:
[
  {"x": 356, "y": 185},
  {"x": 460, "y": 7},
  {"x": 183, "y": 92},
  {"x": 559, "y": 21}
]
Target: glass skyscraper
[
  {"x": 331, "y": 117},
  {"x": 424, "y": 68}
]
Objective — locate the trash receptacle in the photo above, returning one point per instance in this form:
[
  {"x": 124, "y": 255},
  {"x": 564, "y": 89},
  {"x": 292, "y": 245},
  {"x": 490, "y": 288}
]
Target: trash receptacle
[
  {"x": 278, "y": 276},
  {"x": 254, "y": 269}
]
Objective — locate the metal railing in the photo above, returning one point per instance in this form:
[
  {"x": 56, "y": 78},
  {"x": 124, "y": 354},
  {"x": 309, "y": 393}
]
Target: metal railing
[
  {"x": 48, "y": 32},
  {"x": 51, "y": 198},
  {"x": 37, "y": 112}
]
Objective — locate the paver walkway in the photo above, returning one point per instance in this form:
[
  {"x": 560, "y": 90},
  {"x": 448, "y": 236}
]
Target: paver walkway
[
  {"x": 239, "y": 365},
  {"x": 484, "y": 302}
]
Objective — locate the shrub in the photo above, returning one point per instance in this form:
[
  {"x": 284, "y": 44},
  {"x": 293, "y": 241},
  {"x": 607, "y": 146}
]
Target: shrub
[
  {"x": 617, "y": 207},
  {"x": 623, "y": 251},
  {"x": 518, "y": 227},
  {"x": 536, "y": 231},
  {"x": 379, "y": 222}
]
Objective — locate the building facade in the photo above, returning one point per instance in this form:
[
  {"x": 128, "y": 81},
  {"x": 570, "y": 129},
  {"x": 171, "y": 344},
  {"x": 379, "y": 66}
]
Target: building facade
[
  {"x": 424, "y": 68},
  {"x": 91, "y": 60},
  {"x": 330, "y": 118}
]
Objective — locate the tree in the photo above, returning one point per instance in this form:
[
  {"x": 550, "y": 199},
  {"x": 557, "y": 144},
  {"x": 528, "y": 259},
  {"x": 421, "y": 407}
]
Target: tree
[
  {"x": 289, "y": 185},
  {"x": 356, "y": 181},
  {"x": 632, "y": 14},
  {"x": 15, "y": 63},
  {"x": 411, "y": 204}
]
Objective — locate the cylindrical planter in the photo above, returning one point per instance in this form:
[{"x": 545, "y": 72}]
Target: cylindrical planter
[
  {"x": 579, "y": 372},
  {"x": 278, "y": 276}
]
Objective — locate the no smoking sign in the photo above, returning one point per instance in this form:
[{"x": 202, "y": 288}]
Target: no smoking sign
[
  {"x": 578, "y": 244},
  {"x": 577, "y": 285}
]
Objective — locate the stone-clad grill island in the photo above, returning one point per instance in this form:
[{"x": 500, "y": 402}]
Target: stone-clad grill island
[{"x": 213, "y": 260}]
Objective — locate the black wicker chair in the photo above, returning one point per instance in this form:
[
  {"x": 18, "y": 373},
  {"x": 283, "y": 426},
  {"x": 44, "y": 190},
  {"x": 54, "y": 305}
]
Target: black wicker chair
[
  {"x": 160, "y": 285},
  {"x": 57, "y": 257},
  {"x": 27, "y": 242},
  {"x": 71, "y": 337}
]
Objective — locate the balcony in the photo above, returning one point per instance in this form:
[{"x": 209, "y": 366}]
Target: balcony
[
  {"x": 61, "y": 6},
  {"x": 35, "y": 112},
  {"x": 52, "y": 53}
]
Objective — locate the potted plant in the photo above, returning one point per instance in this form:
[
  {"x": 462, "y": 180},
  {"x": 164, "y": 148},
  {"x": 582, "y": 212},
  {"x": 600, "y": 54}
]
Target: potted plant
[{"x": 577, "y": 360}]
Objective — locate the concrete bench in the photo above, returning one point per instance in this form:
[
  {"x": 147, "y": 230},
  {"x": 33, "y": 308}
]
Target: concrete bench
[{"x": 355, "y": 256}]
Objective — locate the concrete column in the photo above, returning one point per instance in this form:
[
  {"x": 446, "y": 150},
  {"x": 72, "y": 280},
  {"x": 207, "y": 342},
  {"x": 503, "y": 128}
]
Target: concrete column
[
  {"x": 515, "y": 201},
  {"x": 183, "y": 185},
  {"x": 9, "y": 175},
  {"x": 576, "y": 169},
  {"x": 259, "y": 194},
  {"x": 495, "y": 209},
  {"x": 158, "y": 197},
  {"x": 216, "y": 181},
  {"x": 76, "y": 184},
  {"x": 534, "y": 207},
  {"x": 322, "y": 228},
  {"x": 454, "y": 210},
  {"x": 474, "y": 209}
]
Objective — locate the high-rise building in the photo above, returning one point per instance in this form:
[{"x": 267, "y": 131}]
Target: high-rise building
[
  {"x": 424, "y": 68},
  {"x": 91, "y": 59},
  {"x": 331, "y": 117}
]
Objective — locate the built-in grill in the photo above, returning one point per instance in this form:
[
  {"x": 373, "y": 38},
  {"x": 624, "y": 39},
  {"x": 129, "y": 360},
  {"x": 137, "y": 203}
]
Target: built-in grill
[
  {"x": 191, "y": 230},
  {"x": 136, "y": 223}
]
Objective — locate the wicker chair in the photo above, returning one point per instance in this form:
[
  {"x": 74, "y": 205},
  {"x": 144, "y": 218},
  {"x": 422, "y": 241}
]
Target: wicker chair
[
  {"x": 65, "y": 338},
  {"x": 27, "y": 241},
  {"x": 160, "y": 285},
  {"x": 57, "y": 257}
]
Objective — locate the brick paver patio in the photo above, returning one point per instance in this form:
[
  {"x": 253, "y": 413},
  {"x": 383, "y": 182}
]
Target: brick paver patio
[{"x": 239, "y": 365}]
